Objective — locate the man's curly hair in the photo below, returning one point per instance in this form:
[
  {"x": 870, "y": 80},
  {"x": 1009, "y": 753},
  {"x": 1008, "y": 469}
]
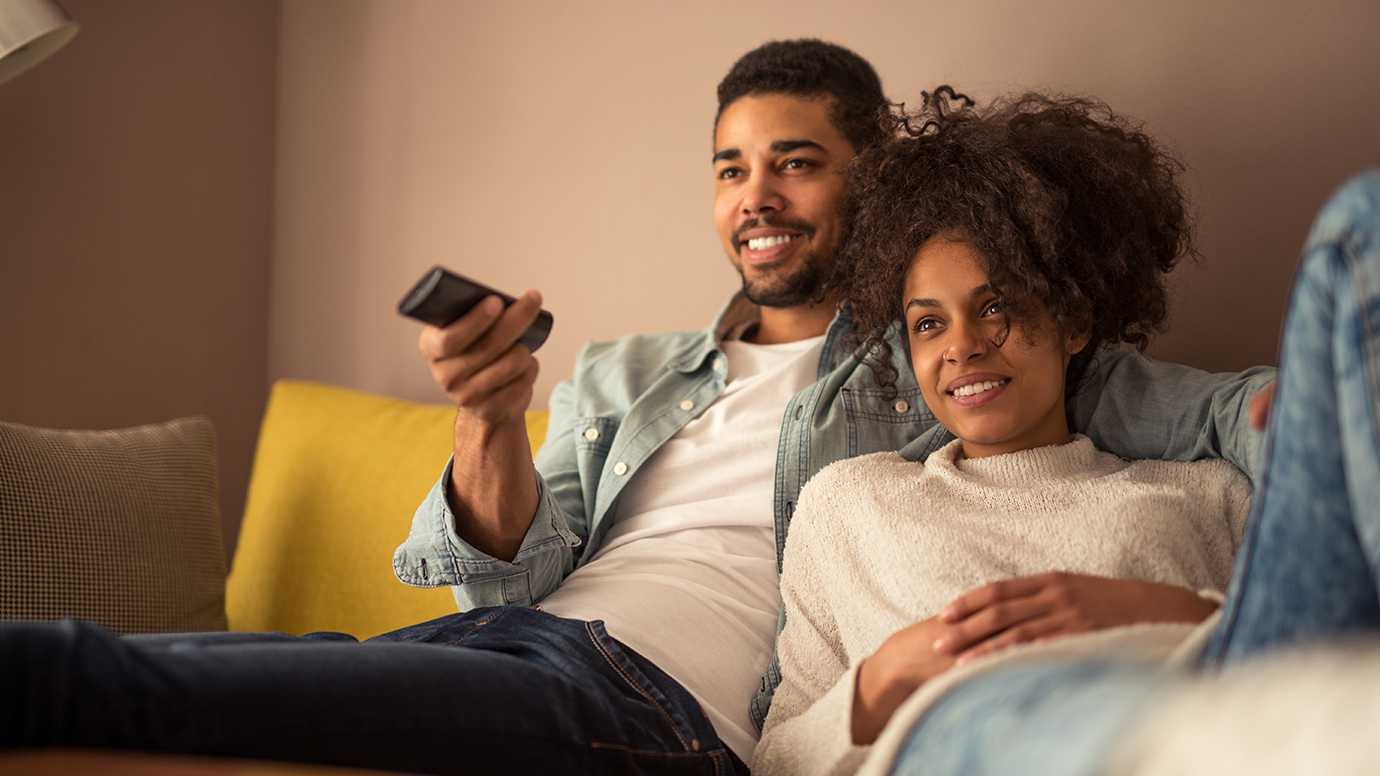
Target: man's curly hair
[
  {"x": 1072, "y": 210},
  {"x": 812, "y": 68}
]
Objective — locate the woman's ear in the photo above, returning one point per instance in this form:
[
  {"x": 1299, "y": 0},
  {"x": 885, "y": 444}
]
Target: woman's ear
[{"x": 1074, "y": 343}]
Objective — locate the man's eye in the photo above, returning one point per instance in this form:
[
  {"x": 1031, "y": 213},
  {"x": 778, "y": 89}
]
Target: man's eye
[
  {"x": 799, "y": 164},
  {"x": 728, "y": 173}
]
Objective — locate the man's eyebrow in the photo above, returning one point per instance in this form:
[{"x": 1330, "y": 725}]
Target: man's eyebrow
[
  {"x": 979, "y": 291},
  {"x": 786, "y": 146},
  {"x": 777, "y": 147}
]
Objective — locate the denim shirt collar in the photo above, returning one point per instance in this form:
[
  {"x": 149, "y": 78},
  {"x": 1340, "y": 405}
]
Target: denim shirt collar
[{"x": 739, "y": 310}]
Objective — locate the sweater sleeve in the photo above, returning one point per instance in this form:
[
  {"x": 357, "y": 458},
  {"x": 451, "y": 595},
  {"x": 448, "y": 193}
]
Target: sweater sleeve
[{"x": 809, "y": 728}]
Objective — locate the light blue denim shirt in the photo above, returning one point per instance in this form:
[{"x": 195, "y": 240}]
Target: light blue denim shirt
[{"x": 625, "y": 399}]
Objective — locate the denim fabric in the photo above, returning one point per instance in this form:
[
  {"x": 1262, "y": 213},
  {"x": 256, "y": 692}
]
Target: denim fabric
[
  {"x": 499, "y": 690},
  {"x": 1052, "y": 719},
  {"x": 1307, "y": 567},
  {"x": 624, "y": 399}
]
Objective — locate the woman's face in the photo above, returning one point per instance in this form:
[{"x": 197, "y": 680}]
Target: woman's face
[{"x": 996, "y": 398}]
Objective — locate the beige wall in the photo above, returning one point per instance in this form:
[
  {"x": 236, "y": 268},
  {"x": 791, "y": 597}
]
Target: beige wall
[
  {"x": 562, "y": 146},
  {"x": 566, "y": 146},
  {"x": 135, "y": 184}
]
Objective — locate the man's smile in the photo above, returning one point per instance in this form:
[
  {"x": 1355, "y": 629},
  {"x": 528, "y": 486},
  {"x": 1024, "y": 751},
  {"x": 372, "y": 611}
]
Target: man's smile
[{"x": 763, "y": 243}]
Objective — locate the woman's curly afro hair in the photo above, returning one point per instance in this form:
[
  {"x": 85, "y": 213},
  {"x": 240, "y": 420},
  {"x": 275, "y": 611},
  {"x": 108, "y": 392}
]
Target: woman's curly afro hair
[{"x": 1072, "y": 210}]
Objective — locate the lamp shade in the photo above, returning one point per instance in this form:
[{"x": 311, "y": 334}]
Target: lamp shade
[{"x": 30, "y": 30}]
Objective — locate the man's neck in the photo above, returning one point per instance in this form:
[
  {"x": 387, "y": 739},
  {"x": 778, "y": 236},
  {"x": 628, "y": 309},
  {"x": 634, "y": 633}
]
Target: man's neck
[{"x": 792, "y": 324}]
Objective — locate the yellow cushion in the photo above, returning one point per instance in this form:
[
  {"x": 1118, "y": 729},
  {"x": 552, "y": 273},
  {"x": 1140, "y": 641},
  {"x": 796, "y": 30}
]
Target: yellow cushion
[{"x": 337, "y": 476}]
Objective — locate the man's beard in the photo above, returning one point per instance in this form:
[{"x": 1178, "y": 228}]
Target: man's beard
[{"x": 806, "y": 284}]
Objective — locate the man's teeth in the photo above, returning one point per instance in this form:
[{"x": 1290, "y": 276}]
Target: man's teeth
[
  {"x": 976, "y": 388},
  {"x": 763, "y": 243}
]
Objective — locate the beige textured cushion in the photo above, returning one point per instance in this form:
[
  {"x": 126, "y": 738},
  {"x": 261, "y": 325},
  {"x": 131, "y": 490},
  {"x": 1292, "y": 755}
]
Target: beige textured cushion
[{"x": 121, "y": 527}]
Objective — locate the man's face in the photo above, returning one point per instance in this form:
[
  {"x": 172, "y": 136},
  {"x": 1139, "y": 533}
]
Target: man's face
[{"x": 778, "y": 193}]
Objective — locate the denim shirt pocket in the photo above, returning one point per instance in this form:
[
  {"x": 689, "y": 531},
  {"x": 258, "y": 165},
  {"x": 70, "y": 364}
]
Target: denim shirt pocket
[
  {"x": 880, "y": 420},
  {"x": 593, "y": 440}
]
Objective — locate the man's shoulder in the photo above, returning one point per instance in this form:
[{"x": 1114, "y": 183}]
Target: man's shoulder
[{"x": 642, "y": 351}]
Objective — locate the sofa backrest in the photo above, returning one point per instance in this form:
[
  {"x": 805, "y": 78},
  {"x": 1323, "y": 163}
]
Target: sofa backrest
[{"x": 337, "y": 476}]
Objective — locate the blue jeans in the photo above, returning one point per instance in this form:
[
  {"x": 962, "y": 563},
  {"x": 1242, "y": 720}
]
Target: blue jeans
[
  {"x": 1307, "y": 568},
  {"x": 496, "y": 690}
]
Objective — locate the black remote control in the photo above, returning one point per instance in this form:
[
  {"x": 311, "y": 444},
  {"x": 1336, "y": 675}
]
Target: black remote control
[{"x": 442, "y": 296}]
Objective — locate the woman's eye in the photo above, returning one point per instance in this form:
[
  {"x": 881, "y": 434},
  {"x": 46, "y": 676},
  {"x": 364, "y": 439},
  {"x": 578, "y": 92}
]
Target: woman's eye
[
  {"x": 925, "y": 324},
  {"x": 798, "y": 164},
  {"x": 992, "y": 308}
]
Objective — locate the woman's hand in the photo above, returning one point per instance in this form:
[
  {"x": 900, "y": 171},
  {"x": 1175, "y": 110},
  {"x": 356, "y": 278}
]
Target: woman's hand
[
  {"x": 905, "y": 661},
  {"x": 1057, "y": 604}
]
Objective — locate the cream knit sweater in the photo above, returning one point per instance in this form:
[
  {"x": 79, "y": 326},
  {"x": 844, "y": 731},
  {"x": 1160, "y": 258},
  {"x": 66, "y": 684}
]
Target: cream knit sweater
[{"x": 879, "y": 543}]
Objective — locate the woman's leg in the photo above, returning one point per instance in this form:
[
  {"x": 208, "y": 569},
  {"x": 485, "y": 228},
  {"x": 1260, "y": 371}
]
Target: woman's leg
[
  {"x": 1038, "y": 719},
  {"x": 1306, "y": 568},
  {"x": 504, "y": 690}
]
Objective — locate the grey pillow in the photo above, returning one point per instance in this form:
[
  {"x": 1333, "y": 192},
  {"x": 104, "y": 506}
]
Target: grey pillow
[{"x": 121, "y": 527}]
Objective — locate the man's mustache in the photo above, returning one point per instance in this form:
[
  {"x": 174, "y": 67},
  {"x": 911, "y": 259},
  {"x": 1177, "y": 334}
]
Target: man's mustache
[{"x": 767, "y": 222}]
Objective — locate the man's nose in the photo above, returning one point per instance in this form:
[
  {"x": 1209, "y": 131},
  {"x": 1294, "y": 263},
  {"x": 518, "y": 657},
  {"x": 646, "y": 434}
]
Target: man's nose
[{"x": 763, "y": 195}]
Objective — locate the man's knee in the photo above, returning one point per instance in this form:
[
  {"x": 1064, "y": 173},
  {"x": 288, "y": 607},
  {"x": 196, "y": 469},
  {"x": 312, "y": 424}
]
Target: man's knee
[{"x": 1351, "y": 220}]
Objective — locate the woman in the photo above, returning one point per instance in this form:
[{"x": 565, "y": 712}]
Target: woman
[{"x": 1015, "y": 241}]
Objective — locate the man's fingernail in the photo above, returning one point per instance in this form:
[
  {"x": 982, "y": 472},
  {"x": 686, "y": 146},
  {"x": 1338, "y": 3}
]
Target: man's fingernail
[
  {"x": 492, "y": 305},
  {"x": 941, "y": 644}
]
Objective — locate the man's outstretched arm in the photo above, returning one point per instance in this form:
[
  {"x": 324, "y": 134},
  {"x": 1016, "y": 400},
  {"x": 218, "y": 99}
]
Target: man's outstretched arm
[{"x": 480, "y": 364}]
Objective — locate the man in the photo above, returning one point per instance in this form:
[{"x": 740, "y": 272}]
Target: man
[{"x": 626, "y": 587}]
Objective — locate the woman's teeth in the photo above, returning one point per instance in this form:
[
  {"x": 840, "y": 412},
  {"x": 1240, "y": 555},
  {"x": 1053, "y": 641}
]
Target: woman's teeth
[
  {"x": 976, "y": 388},
  {"x": 763, "y": 243}
]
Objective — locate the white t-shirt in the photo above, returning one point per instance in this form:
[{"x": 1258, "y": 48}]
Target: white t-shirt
[{"x": 687, "y": 574}]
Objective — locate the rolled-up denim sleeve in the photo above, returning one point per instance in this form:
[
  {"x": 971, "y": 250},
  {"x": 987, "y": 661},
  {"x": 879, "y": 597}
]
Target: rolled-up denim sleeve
[
  {"x": 435, "y": 555},
  {"x": 1138, "y": 408}
]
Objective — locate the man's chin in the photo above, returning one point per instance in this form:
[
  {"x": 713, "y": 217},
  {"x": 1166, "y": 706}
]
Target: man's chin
[{"x": 783, "y": 296}]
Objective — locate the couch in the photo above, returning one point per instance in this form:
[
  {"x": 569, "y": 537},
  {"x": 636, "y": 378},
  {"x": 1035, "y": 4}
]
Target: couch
[{"x": 122, "y": 527}]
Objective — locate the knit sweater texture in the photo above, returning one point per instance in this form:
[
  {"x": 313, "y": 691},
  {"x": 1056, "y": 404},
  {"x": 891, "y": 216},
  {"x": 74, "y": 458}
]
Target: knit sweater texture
[{"x": 879, "y": 543}]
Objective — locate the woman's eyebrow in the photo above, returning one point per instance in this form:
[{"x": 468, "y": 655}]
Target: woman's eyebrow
[{"x": 985, "y": 288}]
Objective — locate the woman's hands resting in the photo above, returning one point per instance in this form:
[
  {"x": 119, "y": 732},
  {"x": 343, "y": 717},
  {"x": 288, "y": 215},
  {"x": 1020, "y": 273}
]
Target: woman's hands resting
[
  {"x": 906, "y": 660},
  {"x": 1001, "y": 614}
]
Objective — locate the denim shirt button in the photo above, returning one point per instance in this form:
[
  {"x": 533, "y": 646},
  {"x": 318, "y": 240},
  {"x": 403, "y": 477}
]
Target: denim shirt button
[
  {"x": 620, "y": 468},
  {"x": 591, "y": 434},
  {"x": 718, "y": 364},
  {"x": 687, "y": 405},
  {"x": 902, "y": 406}
]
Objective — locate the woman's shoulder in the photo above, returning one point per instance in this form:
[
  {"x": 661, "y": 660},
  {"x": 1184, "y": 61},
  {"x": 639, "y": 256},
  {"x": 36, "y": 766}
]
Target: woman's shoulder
[
  {"x": 853, "y": 486},
  {"x": 1213, "y": 473}
]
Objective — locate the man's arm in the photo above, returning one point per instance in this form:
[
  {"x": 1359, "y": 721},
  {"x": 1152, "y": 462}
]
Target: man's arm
[
  {"x": 463, "y": 533},
  {"x": 1138, "y": 408},
  {"x": 479, "y": 363}
]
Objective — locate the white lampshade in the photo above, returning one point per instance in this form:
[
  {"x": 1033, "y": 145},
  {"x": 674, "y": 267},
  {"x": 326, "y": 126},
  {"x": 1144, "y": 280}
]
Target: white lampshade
[{"x": 30, "y": 30}]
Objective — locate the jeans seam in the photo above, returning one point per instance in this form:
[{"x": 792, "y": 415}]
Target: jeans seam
[
  {"x": 476, "y": 626},
  {"x": 1372, "y": 376},
  {"x": 628, "y": 678}
]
